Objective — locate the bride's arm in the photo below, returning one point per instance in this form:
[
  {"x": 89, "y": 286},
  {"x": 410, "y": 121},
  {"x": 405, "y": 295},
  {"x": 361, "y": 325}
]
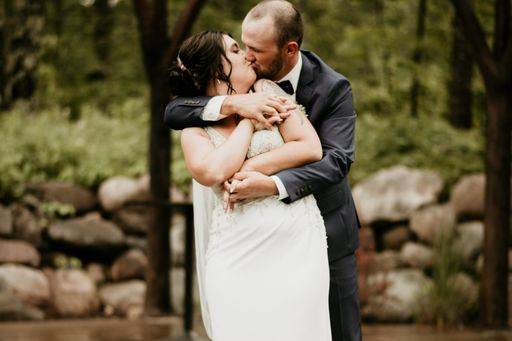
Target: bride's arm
[
  {"x": 210, "y": 165},
  {"x": 301, "y": 146}
]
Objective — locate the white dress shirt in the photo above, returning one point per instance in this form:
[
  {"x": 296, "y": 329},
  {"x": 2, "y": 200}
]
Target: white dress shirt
[{"x": 211, "y": 112}]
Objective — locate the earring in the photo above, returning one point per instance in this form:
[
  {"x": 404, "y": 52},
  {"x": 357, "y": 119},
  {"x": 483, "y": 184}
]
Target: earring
[{"x": 218, "y": 81}]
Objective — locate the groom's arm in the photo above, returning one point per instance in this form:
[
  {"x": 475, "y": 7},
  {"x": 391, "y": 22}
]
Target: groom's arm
[
  {"x": 337, "y": 133},
  {"x": 202, "y": 111},
  {"x": 193, "y": 112}
]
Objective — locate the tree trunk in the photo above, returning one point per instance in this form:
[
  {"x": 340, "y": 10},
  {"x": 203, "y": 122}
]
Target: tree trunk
[
  {"x": 158, "y": 51},
  {"x": 103, "y": 27},
  {"x": 418, "y": 57},
  {"x": 152, "y": 18},
  {"x": 497, "y": 209},
  {"x": 21, "y": 23},
  {"x": 496, "y": 68},
  {"x": 459, "y": 87},
  {"x": 158, "y": 293}
]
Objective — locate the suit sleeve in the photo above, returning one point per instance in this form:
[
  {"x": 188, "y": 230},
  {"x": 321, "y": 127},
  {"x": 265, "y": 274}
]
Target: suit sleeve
[
  {"x": 183, "y": 113},
  {"x": 336, "y": 133}
]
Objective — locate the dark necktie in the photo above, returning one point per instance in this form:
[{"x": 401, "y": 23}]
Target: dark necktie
[{"x": 286, "y": 86}]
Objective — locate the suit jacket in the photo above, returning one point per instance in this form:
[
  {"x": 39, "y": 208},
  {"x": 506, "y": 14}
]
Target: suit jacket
[{"x": 327, "y": 97}]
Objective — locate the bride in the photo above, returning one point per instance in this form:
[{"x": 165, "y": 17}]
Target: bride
[{"x": 262, "y": 265}]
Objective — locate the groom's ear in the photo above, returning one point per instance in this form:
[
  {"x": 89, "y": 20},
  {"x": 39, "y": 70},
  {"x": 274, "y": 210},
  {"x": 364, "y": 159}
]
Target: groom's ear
[{"x": 291, "y": 48}]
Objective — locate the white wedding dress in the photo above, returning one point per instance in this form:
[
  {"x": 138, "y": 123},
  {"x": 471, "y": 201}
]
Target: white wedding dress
[{"x": 263, "y": 267}]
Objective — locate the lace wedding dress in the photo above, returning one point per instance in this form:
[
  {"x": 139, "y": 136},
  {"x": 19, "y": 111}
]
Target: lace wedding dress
[{"x": 263, "y": 267}]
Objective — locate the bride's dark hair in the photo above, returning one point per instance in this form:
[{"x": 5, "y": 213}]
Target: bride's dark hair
[{"x": 199, "y": 62}]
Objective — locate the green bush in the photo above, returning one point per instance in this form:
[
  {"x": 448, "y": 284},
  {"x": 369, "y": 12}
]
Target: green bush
[
  {"x": 425, "y": 142},
  {"x": 49, "y": 145}
]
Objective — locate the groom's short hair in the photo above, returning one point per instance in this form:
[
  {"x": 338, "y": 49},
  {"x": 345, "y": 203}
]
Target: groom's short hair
[{"x": 287, "y": 19}]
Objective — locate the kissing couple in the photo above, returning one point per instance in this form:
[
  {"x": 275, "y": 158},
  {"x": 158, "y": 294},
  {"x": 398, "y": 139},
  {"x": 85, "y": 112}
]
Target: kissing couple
[{"x": 268, "y": 136}]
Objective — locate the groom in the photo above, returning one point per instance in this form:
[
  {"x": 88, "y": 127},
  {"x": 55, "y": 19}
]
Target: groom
[{"x": 272, "y": 32}]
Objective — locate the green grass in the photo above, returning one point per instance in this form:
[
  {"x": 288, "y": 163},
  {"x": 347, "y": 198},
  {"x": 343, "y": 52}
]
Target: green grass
[{"x": 443, "y": 304}]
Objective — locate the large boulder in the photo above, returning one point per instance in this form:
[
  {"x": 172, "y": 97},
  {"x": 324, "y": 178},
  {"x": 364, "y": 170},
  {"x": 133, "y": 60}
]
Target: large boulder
[
  {"x": 64, "y": 192},
  {"x": 387, "y": 260},
  {"x": 136, "y": 242},
  {"x": 116, "y": 191},
  {"x": 18, "y": 251},
  {"x": 6, "y": 224},
  {"x": 396, "y": 237},
  {"x": 178, "y": 196},
  {"x": 470, "y": 240},
  {"x": 468, "y": 196},
  {"x": 26, "y": 224},
  {"x": 432, "y": 222},
  {"x": 96, "y": 272},
  {"x": 131, "y": 264},
  {"x": 136, "y": 219},
  {"x": 73, "y": 293},
  {"x": 12, "y": 309},
  {"x": 417, "y": 255},
  {"x": 178, "y": 239},
  {"x": 90, "y": 231},
  {"x": 393, "y": 194},
  {"x": 133, "y": 219},
  {"x": 29, "y": 285},
  {"x": 465, "y": 287},
  {"x": 177, "y": 276},
  {"x": 398, "y": 299},
  {"x": 124, "y": 298},
  {"x": 366, "y": 239}
]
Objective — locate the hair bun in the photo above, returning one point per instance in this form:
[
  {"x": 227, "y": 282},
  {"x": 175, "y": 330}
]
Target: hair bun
[{"x": 182, "y": 82}]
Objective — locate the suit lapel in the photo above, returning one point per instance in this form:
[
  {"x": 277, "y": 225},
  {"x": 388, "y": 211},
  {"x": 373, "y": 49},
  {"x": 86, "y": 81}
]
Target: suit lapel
[{"x": 304, "y": 90}]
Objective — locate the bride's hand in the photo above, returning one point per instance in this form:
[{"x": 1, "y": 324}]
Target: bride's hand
[
  {"x": 260, "y": 126},
  {"x": 229, "y": 187},
  {"x": 271, "y": 120},
  {"x": 259, "y": 106}
]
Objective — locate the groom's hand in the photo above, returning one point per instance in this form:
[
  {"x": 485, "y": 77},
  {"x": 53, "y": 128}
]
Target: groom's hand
[
  {"x": 265, "y": 108},
  {"x": 251, "y": 184}
]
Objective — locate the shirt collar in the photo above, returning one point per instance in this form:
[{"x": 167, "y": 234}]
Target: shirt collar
[{"x": 294, "y": 74}]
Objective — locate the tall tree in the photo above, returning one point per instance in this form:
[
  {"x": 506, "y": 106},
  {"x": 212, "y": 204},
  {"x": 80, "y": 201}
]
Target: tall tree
[
  {"x": 461, "y": 75},
  {"x": 418, "y": 57},
  {"x": 102, "y": 34},
  {"x": 21, "y": 23},
  {"x": 158, "y": 50},
  {"x": 495, "y": 66}
]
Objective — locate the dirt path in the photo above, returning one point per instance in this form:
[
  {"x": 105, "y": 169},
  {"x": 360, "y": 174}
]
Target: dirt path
[{"x": 168, "y": 328}]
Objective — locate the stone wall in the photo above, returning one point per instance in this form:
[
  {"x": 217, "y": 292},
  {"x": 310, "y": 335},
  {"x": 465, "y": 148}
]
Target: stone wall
[
  {"x": 66, "y": 251},
  {"x": 402, "y": 218},
  {"x": 85, "y": 256}
]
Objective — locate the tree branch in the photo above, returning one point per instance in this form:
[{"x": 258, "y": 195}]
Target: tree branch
[
  {"x": 144, "y": 18},
  {"x": 152, "y": 18},
  {"x": 476, "y": 37},
  {"x": 506, "y": 60},
  {"x": 182, "y": 29},
  {"x": 501, "y": 27}
]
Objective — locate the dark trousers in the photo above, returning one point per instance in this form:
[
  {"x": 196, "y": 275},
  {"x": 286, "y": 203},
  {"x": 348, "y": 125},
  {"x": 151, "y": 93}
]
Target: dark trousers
[{"x": 344, "y": 300}]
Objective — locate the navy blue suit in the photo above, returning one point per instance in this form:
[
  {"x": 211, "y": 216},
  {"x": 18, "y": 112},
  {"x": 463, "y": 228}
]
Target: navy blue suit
[{"x": 327, "y": 97}]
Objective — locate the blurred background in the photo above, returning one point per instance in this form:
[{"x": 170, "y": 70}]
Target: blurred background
[{"x": 88, "y": 171}]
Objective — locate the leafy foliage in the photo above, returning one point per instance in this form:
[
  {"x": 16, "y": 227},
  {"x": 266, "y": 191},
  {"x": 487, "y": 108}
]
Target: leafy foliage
[
  {"x": 88, "y": 119},
  {"x": 421, "y": 143}
]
